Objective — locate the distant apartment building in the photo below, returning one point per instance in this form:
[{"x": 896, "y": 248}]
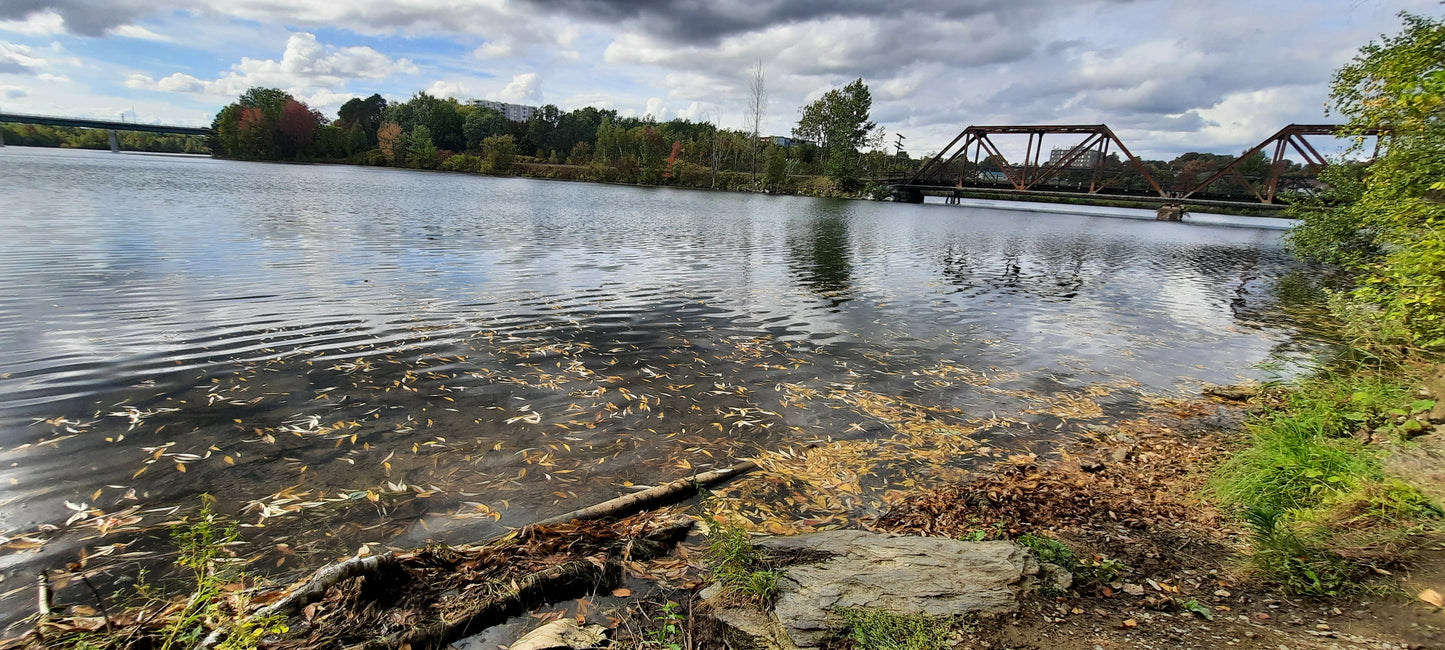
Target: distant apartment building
[
  {"x": 1086, "y": 160},
  {"x": 513, "y": 112}
]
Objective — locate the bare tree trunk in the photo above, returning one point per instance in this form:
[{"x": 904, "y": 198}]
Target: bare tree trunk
[
  {"x": 716, "y": 145},
  {"x": 757, "y": 107}
]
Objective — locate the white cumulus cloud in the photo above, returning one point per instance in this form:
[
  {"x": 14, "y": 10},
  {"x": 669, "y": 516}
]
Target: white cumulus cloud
[
  {"x": 525, "y": 88},
  {"x": 308, "y": 69}
]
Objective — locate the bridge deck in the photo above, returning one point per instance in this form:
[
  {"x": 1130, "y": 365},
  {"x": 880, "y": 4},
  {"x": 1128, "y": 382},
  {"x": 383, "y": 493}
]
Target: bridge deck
[{"x": 53, "y": 120}]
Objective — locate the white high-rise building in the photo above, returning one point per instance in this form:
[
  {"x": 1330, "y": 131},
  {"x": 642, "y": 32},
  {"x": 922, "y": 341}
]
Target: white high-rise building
[{"x": 513, "y": 112}]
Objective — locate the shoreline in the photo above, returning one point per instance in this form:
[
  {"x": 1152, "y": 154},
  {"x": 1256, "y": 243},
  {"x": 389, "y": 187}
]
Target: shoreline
[{"x": 1159, "y": 565}]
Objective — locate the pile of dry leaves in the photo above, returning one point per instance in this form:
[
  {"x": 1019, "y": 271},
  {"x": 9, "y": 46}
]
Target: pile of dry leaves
[{"x": 1133, "y": 487}]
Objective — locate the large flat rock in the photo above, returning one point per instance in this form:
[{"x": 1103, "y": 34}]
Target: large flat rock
[{"x": 906, "y": 575}]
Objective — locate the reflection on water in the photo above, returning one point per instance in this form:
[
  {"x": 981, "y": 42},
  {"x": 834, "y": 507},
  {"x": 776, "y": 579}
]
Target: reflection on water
[
  {"x": 391, "y": 357},
  {"x": 821, "y": 254}
]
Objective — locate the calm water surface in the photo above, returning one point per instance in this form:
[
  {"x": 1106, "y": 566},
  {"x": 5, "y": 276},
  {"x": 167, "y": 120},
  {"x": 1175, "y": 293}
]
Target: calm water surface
[{"x": 345, "y": 355}]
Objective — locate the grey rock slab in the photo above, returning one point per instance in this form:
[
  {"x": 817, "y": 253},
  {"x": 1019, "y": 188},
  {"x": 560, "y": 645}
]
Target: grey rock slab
[{"x": 901, "y": 574}]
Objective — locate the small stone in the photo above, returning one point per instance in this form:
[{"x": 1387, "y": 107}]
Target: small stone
[
  {"x": 1133, "y": 589},
  {"x": 1222, "y": 593},
  {"x": 1322, "y": 626}
]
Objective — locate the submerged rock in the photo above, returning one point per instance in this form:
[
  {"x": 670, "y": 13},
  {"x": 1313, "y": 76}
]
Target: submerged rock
[
  {"x": 1235, "y": 393},
  {"x": 900, "y": 574}
]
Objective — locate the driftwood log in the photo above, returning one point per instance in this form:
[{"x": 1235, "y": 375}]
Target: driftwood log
[{"x": 654, "y": 496}]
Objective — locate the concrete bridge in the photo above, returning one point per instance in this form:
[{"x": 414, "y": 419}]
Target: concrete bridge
[{"x": 112, "y": 127}]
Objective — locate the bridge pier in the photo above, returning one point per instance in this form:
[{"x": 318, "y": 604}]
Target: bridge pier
[
  {"x": 114, "y": 142},
  {"x": 2, "y": 137},
  {"x": 907, "y": 195},
  {"x": 1170, "y": 212}
]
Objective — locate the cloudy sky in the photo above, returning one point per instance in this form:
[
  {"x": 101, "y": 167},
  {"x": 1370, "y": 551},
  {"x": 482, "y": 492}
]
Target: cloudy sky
[{"x": 1167, "y": 75}]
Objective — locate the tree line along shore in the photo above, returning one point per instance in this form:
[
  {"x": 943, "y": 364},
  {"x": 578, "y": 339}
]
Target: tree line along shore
[{"x": 834, "y": 149}]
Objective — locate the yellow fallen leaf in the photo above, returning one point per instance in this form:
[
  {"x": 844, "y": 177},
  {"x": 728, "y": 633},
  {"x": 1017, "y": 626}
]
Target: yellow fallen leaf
[
  {"x": 1433, "y": 597},
  {"x": 229, "y": 460},
  {"x": 622, "y": 593}
]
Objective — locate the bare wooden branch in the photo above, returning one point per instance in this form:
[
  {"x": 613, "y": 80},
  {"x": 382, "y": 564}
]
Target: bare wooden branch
[
  {"x": 653, "y": 496},
  {"x": 324, "y": 579},
  {"x": 42, "y": 598}
]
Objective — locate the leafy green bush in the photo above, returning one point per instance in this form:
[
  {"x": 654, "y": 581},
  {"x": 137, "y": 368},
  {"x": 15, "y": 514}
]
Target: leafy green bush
[{"x": 463, "y": 163}]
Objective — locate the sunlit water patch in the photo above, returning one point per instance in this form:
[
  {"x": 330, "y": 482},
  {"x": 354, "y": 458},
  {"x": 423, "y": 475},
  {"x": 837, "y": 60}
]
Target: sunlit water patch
[{"x": 348, "y": 356}]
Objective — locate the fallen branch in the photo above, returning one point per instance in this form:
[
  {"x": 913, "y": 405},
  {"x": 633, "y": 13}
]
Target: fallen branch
[
  {"x": 653, "y": 496},
  {"x": 565, "y": 581},
  {"x": 561, "y": 582},
  {"x": 323, "y": 579}
]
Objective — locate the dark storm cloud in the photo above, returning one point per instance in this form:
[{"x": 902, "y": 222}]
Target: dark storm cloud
[
  {"x": 706, "y": 21},
  {"x": 84, "y": 17}
]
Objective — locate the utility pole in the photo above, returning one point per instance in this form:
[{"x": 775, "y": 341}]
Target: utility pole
[{"x": 898, "y": 142}]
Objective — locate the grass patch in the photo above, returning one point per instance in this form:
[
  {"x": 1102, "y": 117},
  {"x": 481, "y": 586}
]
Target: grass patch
[
  {"x": 1321, "y": 512},
  {"x": 739, "y": 566},
  {"x": 873, "y": 629},
  {"x": 1088, "y": 570}
]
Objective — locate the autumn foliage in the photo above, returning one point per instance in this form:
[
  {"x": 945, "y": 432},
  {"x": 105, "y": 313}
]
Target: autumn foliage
[{"x": 266, "y": 124}]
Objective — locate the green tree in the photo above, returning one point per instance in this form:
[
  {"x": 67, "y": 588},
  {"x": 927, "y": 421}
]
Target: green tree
[
  {"x": 839, "y": 123},
  {"x": 1394, "y": 230},
  {"x": 442, "y": 117},
  {"x": 777, "y": 167},
  {"x": 366, "y": 113},
  {"x": 420, "y": 149},
  {"x": 331, "y": 140},
  {"x": 483, "y": 123},
  {"x": 499, "y": 151},
  {"x": 356, "y": 140},
  {"x": 540, "y": 128}
]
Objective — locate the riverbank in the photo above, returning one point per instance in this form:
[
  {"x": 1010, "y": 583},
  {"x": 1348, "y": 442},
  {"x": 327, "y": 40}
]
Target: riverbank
[{"x": 1154, "y": 561}]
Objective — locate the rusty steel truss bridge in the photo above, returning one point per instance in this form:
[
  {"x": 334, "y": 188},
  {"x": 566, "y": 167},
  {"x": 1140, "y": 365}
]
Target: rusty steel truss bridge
[{"x": 1101, "y": 165}]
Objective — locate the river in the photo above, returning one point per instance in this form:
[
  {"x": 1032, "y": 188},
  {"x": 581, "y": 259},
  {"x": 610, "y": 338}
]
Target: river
[{"x": 347, "y": 356}]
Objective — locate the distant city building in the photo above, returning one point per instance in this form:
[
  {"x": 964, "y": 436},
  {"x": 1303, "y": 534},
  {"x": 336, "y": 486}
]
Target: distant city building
[
  {"x": 513, "y": 112},
  {"x": 1086, "y": 160},
  {"x": 782, "y": 140}
]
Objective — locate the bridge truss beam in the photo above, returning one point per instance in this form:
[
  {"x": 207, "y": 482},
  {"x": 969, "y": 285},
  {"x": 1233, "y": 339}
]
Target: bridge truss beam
[
  {"x": 1033, "y": 171},
  {"x": 1292, "y": 136}
]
